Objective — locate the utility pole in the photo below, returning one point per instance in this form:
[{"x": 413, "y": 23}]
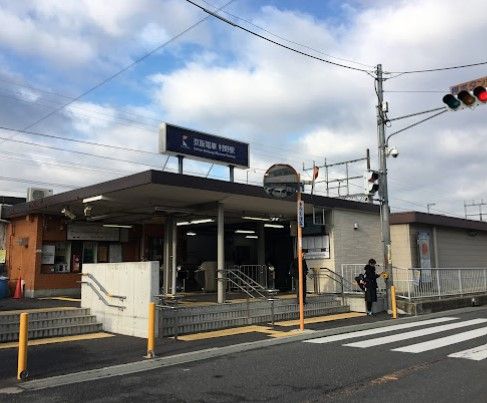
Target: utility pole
[
  {"x": 429, "y": 205},
  {"x": 474, "y": 204},
  {"x": 384, "y": 197}
]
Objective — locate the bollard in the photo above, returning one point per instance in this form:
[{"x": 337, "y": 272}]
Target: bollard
[
  {"x": 393, "y": 302},
  {"x": 151, "y": 336},
  {"x": 23, "y": 336}
]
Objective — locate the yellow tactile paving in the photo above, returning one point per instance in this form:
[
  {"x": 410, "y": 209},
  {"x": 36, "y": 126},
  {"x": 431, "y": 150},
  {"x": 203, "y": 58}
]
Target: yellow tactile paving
[
  {"x": 71, "y": 299},
  {"x": 319, "y": 319},
  {"x": 222, "y": 333},
  {"x": 64, "y": 339}
]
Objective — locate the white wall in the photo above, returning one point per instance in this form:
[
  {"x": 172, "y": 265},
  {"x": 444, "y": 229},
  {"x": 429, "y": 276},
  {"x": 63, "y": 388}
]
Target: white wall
[{"x": 137, "y": 281}]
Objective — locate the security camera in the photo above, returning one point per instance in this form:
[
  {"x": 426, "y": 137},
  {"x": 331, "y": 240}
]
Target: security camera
[
  {"x": 393, "y": 152},
  {"x": 68, "y": 213}
]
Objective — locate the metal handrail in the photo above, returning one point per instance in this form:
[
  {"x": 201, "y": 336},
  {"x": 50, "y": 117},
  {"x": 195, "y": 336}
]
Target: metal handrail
[
  {"x": 101, "y": 297},
  {"x": 249, "y": 279},
  {"x": 247, "y": 285},
  {"x": 340, "y": 280},
  {"x": 100, "y": 286}
]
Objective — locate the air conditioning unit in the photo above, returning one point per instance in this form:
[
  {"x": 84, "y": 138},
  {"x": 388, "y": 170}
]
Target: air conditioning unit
[{"x": 37, "y": 193}]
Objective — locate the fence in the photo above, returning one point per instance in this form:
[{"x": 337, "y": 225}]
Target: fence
[
  {"x": 439, "y": 282},
  {"x": 350, "y": 271}
]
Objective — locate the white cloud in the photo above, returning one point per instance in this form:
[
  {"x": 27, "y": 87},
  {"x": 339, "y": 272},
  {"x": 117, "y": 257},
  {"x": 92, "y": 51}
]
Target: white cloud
[{"x": 289, "y": 108}]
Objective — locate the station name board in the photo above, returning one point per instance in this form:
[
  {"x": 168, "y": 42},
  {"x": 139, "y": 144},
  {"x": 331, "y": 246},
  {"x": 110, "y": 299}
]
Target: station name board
[{"x": 177, "y": 140}]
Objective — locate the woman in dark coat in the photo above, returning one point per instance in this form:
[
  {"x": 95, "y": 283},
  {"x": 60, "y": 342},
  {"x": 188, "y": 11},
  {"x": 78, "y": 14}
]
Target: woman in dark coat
[{"x": 370, "y": 280}]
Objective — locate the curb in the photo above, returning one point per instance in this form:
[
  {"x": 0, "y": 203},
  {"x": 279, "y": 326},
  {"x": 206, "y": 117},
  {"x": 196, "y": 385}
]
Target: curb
[{"x": 199, "y": 355}]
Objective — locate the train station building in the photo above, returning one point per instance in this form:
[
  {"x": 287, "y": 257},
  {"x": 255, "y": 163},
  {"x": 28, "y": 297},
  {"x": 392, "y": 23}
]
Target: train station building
[{"x": 188, "y": 224}]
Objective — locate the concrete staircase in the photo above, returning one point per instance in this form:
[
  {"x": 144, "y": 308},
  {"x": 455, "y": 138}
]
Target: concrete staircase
[
  {"x": 219, "y": 316},
  {"x": 52, "y": 322}
]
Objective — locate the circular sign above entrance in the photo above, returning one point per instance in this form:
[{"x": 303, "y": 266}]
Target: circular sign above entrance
[{"x": 281, "y": 181}]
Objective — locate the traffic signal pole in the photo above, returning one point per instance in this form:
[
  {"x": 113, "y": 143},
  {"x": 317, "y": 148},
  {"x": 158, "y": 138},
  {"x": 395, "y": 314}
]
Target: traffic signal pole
[{"x": 383, "y": 193}]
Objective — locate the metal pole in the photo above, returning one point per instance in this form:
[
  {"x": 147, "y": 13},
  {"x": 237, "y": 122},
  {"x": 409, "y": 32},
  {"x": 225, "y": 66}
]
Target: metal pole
[
  {"x": 180, "y": 164},
  {"x": 22, "y": 357},
  {"x": 300, "y": 261},
  {"x": 384, "y": 196},
  {"x": 151, "y": 334},
  {"x": 221, "y": 284},
  {"x": 167, "y": 254},
  {"x": 174, "y": 240}
]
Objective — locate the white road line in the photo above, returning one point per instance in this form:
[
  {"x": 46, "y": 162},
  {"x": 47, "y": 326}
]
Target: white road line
[
  {"x": 415, "y": 333},
  {"x": 443, "y": 341},
  {"x": 477, "y": 353},
  {"x": 384, "y": 329}
]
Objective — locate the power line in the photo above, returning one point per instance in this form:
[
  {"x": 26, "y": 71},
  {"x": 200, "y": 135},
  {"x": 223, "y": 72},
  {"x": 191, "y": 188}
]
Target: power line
[
  {"x": 91, "y": 143},
  {"x": 290, "y": 41},
  {"x": 434, "y": 69},
  {"x": 418, "y": 91},
  {"x": 119, "y": 72},
  {"x": 235, "y": 25}
]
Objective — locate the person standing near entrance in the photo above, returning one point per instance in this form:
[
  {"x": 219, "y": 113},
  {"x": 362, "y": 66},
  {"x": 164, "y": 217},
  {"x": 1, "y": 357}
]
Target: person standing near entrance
[
  {"x": 294, "y": 272},
  {"x": 370, "y": 285}
]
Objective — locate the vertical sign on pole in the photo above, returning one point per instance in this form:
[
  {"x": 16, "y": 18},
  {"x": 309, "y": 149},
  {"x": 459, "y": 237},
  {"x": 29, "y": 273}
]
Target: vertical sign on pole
[
  {"x": 299, "y": 254},
  {"x": 282, "y": 181}
]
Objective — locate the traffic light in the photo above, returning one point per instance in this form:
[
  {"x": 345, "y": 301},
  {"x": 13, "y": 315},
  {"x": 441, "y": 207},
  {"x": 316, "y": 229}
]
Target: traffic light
[
  {"x": 469, "y": 99},
  {"x": 371, "y": 182}
]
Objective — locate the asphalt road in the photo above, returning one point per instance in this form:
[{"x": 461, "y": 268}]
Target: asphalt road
[{"x": 312, "y": 372}]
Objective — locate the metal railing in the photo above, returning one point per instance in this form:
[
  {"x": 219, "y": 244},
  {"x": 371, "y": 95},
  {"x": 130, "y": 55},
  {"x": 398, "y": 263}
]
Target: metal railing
[
  {"x": 254, "y": 275},
  {"x": 335, "y": 286},
  {"x": 101, "y": 295},
  {"x": 237, "y": 280},
  {"x": 439, "y": 282},
  {"x": 350, "y": 271}
]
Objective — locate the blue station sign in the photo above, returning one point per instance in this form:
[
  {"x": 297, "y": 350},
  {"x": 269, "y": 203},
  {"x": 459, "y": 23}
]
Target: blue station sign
[{"x": 177, "y": 140}]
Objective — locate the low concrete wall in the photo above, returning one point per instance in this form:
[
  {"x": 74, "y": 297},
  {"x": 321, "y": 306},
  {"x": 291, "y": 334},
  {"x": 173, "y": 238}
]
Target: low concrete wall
[
  {"x": 357, "y": 303},
  {"x": 137, "y": 282},
  {"x": 419, "y": 307}
]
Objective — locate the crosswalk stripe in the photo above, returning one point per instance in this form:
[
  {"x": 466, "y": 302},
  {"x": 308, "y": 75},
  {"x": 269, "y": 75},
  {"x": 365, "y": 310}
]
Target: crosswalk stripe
[
  {"x": 369, "y": 332},
  {"x": 443, "y": 341},
  {"x": 477, "y": 353},
  {"x": 415, "y": 333}
]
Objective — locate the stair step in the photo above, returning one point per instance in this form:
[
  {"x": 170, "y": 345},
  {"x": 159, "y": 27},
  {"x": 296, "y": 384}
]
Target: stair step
[
  {"x": 13, "y": 316},
  {"x": 49, "y": 323},
  {"x": 221, "y": 320},
  {"x": 54, "y": 331}
]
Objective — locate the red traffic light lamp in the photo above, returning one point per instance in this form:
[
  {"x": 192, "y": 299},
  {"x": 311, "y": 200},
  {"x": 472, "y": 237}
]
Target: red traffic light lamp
[
  {"x": 469, "y": 99},
  {"x": 481, "y": 94}
]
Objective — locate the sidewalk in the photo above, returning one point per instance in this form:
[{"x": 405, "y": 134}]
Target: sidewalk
[{"x": 63, "y": 357}]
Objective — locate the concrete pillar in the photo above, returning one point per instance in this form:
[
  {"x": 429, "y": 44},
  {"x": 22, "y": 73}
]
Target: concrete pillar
[
  {"x": 174, "y": 239},
  {"x": 167, "y": 254},
  {"x": 221, "y": 282}
]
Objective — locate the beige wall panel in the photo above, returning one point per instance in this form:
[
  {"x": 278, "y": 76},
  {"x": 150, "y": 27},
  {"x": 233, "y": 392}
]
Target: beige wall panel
[
  {"x": 401, "y": 246},
  {"x": 356, "y": 245},
  {"x": 459, "y": 248}
]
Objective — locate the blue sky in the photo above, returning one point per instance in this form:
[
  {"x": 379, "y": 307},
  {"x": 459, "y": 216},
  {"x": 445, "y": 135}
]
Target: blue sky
[{"x": 218, "y": 79}]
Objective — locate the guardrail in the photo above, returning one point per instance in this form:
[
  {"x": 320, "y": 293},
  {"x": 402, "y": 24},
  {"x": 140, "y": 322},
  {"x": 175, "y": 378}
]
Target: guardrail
[{"x": 417, "y": 283}]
